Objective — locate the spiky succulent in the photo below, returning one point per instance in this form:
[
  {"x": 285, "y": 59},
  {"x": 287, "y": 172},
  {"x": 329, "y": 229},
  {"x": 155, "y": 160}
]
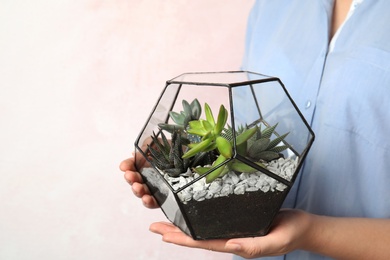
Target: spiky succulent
[
  {"x": 262, "y": 148},
  {"x": 167, "y": 155},
  {"x": 259, "y": 147}
]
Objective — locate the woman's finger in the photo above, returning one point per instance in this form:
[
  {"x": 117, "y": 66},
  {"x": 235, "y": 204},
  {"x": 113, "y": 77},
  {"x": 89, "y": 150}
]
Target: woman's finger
[{"x": 133, "y": 177}]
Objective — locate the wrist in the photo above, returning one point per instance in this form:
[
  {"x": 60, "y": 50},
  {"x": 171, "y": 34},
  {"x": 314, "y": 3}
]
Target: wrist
[{"x": 316, "y": 235}]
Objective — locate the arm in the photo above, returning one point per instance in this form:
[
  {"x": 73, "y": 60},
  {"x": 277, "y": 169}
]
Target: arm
[
  {"x": 350, "y": 238},
  {"x": 339, "y": 238}
]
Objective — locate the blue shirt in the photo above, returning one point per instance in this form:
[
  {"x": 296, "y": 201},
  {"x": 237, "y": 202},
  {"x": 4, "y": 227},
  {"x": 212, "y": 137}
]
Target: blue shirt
[{"x": 344, "y": 95}]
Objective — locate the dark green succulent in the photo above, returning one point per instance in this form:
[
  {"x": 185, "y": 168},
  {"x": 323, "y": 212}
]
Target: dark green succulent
[
  {"x": 167, "y": 155},
  {"x": 259, "y": 147},
  {"x": 262, "y": 148}
]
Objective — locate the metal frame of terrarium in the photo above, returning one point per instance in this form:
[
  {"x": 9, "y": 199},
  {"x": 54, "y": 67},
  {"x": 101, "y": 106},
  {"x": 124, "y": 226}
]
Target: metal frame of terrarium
[{"x": 265, "y": 79}]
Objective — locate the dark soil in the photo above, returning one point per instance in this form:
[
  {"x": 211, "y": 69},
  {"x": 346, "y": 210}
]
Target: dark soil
[{"x": 246, "y": 215}]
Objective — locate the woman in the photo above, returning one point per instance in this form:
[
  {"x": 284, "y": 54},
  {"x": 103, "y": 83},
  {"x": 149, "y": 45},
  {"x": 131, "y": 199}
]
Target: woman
[{"x": 334, "y": 58}]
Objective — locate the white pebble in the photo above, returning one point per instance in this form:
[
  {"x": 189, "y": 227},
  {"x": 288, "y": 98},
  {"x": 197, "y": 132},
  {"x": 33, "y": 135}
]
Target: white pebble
[
  {"x": 199, "y": 195},
  {"x": 281, "y": 187},
  {"x": 239, "y": 190},
  {"x": 252, "y": 181},
  {"x": 226, "y": 190},
  {"x": 249, "y": 189},
  {"x": 244, "y": 176},
  {"x": 215, "y": 187},
  {"x": 265, "y": 188},
  {"x": 209, "y": 195},
  {"x": 185, "y": 196}
]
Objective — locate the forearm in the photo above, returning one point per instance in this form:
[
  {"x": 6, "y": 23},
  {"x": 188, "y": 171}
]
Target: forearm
[{"x": 349, "y": 238}]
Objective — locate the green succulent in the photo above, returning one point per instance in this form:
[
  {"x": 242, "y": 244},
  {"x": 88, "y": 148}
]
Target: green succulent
[
  {"x": 210, "y": 132},
  {"x": 252, "y": 143},
  {"x": 232, "y": 164},
  {"x": 210, "y": 142},
  {"x": 213, "y": 138},
  {"x": 262, "y": 148},
  {"x": 190, "y": 112},
  {"x": 168, "y": 155}
]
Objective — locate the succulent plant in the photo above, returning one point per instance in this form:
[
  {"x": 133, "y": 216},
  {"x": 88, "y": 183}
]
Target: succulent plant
[
  {"x": 210, "y": 143},
  {"x": 252, "y": 143},
  {"x": 213, "y": 138},
  {"x": 210, "y": 132},
  {"x": 167, "y": 155},
  {"x": 190, "y": 112},
  {"x": 262, "y": 148},
  {"x": 233, "y": 164}
]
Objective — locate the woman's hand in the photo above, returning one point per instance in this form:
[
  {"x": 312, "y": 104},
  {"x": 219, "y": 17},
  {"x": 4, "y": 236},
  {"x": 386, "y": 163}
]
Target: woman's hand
[
  {"x": 133, "y": 177},
  {"x": 338, "y": 238},
  {"x": 289, "y": 232}
]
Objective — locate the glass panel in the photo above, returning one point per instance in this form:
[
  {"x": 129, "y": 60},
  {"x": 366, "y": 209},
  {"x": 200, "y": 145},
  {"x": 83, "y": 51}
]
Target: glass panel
[{"x": 219, "y": 77}]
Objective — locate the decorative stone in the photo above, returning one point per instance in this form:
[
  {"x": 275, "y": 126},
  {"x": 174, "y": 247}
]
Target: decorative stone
[
  {"x": 232, "y": 183},
  {"x": 239, "y": 190}
]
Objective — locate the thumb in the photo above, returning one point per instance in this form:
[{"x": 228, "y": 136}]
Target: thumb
[{"x": 246, "y": 247}]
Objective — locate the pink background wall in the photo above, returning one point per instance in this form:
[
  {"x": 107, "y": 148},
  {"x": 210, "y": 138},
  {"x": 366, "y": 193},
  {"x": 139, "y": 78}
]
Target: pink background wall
[{"x": 78, "y": 79}]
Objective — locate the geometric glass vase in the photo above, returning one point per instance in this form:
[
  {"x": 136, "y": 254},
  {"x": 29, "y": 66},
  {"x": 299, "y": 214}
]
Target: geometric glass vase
[{"x": 221, "y": 150}]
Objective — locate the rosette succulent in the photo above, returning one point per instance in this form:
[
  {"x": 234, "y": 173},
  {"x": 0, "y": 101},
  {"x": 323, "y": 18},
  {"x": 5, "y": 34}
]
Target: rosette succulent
[{"x": 190, "y": 112}]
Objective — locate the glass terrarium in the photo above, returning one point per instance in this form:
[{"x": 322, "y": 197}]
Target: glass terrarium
[{"x": 220, "y": 152}]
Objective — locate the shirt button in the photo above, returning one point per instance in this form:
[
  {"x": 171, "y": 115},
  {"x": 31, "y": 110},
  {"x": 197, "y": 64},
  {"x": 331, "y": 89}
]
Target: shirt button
[{"x": 308, "y": 104}]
